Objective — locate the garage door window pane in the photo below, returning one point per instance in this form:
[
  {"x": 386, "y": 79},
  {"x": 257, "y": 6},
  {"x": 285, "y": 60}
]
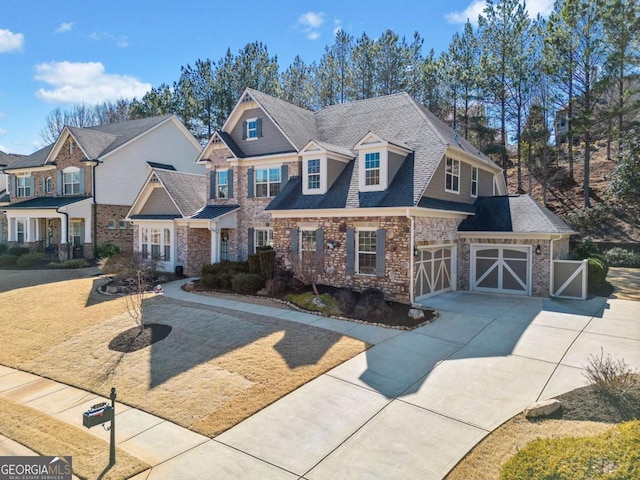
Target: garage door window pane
[
  {"x": 488, "y": 253},
  {"x": 491, "y": 280},
  {"x": 514, "y": 254}
]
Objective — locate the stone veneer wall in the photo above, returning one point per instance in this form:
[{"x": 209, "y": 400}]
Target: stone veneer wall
[
  {"x": 561, "y": 249},
  {"x": 123, "y": 238},
  {"x": 198, "y": 250},
  {"x": 435, "y": 230},
  {"x": 395, "y": 282},
  {"x": 540, "y": 264}
]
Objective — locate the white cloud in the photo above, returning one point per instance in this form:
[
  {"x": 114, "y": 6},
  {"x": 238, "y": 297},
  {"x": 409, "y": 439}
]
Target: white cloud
[
  {"x": 10, "y": 42},
  {"x": 3, "y": 148},
  {"x": 475, "y": 8},
  {"x": 121, "y": 41},
  {"x": 85, "y": 82},
  {"x": 64, "y": 27},
  {"x": 309, "y": 23}
]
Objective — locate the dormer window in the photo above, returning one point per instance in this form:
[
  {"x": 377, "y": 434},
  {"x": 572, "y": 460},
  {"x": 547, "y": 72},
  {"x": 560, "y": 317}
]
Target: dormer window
[
  {"x": 452, "y": 176},
  {"x": 313, "y": 174},
  {"x": 372, "y": 168}
]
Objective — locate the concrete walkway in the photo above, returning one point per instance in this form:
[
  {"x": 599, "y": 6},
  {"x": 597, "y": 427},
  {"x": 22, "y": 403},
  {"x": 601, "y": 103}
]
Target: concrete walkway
[{"x": 410, "y": 407}]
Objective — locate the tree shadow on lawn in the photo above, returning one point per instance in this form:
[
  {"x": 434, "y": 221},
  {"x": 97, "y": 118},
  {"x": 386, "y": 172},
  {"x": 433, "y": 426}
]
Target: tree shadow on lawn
[{"x": 201, "y": 334}]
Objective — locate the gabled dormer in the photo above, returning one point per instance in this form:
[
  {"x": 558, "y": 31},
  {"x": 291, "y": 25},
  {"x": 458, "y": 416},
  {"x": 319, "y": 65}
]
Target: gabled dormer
[
  {"x": 322, "y": 164},
  {"x": 378, "y": 162}
]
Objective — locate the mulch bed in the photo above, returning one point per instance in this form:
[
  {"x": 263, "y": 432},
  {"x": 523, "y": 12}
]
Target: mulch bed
[
  {"x": 587, "y": 403},
  {"x": 133, "y": 339}
]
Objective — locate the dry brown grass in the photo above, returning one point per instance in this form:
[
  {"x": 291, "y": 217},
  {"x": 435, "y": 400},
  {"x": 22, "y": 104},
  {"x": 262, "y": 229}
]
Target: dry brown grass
[
  {"x": 215, "y": 369},
  {"x": 48, "y": 436},
  {"x": 486, "y": 459}
]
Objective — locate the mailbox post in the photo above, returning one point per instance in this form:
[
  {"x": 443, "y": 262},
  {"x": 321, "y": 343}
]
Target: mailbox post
[{"x": 99, "y": 414}]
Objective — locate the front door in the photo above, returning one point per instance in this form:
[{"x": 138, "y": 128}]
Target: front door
[
  {"x": 224, "y": 244},
  {"x": 76, "y": 238}
]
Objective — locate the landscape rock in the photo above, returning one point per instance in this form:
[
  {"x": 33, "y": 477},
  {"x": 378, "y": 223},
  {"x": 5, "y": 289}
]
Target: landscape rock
[
  {"x": 189, "y": 286},
  {"x": 318, "y": 302},
  {"x": 542, "y": 409},
  {"x": 416, "y": 314},
  {"x": 112, "y": 289}
]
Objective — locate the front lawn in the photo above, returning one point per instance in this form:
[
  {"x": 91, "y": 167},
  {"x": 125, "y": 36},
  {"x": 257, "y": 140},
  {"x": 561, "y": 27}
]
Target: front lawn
[{"x": 215, "y": 368}]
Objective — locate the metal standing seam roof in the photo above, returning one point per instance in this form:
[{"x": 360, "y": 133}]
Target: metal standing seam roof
[
  {"x": 211, "y": 212},
  {"x": 45, "y": 203}
]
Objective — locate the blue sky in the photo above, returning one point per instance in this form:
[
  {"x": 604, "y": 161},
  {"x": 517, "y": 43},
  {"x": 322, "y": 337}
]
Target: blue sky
[{"x": 61, "y": 52}]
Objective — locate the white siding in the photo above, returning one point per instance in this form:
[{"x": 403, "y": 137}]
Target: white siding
[{"x": 121, "y": 176}]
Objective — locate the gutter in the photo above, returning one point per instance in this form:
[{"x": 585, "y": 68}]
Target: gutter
[
  {"x": 411, "y": 259},
  {"x": 66, "y": 215},
  {"x": 551, "y": 279}
]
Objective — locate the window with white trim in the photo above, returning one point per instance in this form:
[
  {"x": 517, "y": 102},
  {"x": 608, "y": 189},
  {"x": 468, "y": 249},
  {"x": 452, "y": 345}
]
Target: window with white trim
[
  {"x": 48, "y": 185},
  {"x": 122, "y": 224},
  {"x": 222, "y": 183},
  {"x": 372, "y": 168},
  {"x": 313, "y": 174},
  {"x": 20, "y": 230},
  {"x": 452, "y": 176},
  {"x": 112, "y": 225},
  {"x": 252, "y": 129},
  {"x": 263, "y": 237},
  {"x": 474, "y": 181},
  {"x": 24, "y": 186},
  {"x": 75, "y": 232},
  {"x": 366, "y": 252},
  {"x": 307, "y": 241},
  {"x": 71, "y": 181},
  {"x": 267, "y": 182},
  {"x": 155, "y": 242}
]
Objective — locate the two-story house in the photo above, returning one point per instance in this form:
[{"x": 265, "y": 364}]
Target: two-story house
[
  {"x": 73, "y": 195},
  {"x": 383, "y": 191},
  {"x": 6, "y": 159}
]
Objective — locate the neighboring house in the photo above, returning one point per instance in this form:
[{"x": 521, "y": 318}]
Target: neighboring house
[
  {"x": 73, "y": 196},
  {"x": 384, "y": 192},
  {"x": 6, "y": 159}
]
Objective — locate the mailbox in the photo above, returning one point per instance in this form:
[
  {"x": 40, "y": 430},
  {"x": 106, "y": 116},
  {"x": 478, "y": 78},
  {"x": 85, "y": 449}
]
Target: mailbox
[{"x": 97, "y": 415}]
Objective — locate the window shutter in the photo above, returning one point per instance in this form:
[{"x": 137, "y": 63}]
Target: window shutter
[
  {"x": 244, "y": 130},
  {"x": 381, "y": 240},
  {"x": 320, "y": 244},
  {"x": 212, "y": 184},
  {"x": 250, "y": 182},
  {"x": 230, "y": 182},
  {"x": 295, "y": 235},
  {"x": 81, "y": 179},
  {"x": 351, "y": 251},
  {"x": 32, "y": 192},
  {"x": 14, "y": 186},
  {"x": 284, "y": 176},
  {"x": 44, "y": 185},
  {"x": 258, "y": 127},
  {"x": 59, "y": 182},
  {"x": 251, "y": 249}
]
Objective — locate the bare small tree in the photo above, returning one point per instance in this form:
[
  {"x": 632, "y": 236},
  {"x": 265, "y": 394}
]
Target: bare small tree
[
  {"x": 307, "y": 266},
  {"x": 134, "y": 301},
  {"x": 610, "y": 376}
]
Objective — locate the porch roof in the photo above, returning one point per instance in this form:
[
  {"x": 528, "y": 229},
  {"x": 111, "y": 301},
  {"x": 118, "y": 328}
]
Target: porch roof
[
  {"x": 156, "y": 217},
  {"x": 213, "y": 211},
  {"x": 39, "y": 203}
]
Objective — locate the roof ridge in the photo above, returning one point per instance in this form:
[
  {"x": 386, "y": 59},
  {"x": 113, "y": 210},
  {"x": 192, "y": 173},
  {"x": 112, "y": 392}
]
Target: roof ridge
[
  {"x": 177, "y": 171},
  {"x": 335, "y": 105},
  {"x": 251, "y": 90},
  {"x": 544, "y": 211}
]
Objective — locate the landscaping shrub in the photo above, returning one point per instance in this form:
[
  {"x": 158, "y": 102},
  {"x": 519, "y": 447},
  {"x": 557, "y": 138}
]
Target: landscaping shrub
[
  {"x": 267, "y": 258},
  {"x": 597, "y": 274},
  {"x": 612, "y": 454},
  {"x": 254, "y": 263},
  {"x": 8, "y": 260},
  {"x": 347, "y": 300},
  {"x": 324, "y": 303},
  {"x": 620, "y": 257},
  {"x": 30, "y": 259},
  {"x": 277, "y": 286},
  {"x": 75, "y": 263},
  {"x": 608, "y": 376},
  {"x": 108, "y": 250},
  {"x": 3, "y": 248},
  {"x": 586, "y": 248},
  {"x": 372, "y": 307},
  {"x": 225, "y": 267},
  {"x": 597, "y": 256},
  {"x": 589, "y": 220},
  {"x": 217, "y": 281},
  {"x": 247, "y": 283},
  {"x": 17, "y": 251}
]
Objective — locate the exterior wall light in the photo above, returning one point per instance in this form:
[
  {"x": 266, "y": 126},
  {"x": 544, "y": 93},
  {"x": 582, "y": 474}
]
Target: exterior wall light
[{"x": 538, "y": 249}]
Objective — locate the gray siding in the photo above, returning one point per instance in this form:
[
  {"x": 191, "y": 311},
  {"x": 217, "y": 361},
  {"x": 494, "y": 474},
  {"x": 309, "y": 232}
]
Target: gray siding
[
  {"x": 436, "y": 186},
  {"x": 272, "y": 140},
  {"x": 395, "y": 162},
  {"x": 334, "y": 168},
  {"x": 159, "y": 203}
]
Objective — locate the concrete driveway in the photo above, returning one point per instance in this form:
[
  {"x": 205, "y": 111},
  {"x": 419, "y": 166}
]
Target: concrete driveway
[{"x": 414, "y": 404}]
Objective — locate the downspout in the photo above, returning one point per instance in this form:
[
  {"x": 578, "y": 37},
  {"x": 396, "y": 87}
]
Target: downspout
[
  {"x": 66, "y": 215},
  {"x": 411, "y": 259},
  {"x": 94, "y": 221}
]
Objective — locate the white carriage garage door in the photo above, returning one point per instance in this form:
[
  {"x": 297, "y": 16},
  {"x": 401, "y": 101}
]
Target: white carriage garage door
[
  {"x": 503, "y": 269},
  {"x": 434, "y": 271}
]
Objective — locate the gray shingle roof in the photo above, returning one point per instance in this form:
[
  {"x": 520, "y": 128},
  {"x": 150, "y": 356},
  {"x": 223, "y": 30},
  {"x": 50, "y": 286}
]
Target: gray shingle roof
[
  {"x": 213, "y": 211},
  {"x": 92, "y": 142},
  {"x": 188, "y": 190},
  {"x": 8, "y": 159},
  {"x": 44, "y": 202},
  {"x": 517, "y": 214},
  {"x": 36, "y": 159}
]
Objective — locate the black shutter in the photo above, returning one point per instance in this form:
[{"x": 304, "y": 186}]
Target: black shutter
[
  {"x": 295, "y": 241},
  {"x": 14, "y": 186},
  {"x": 250, "y": 182},
  {"x": 351, "y": 251},
  {"x": 258, "y": 127},
  {"x": 81, "y": 179},
  {"x": 59, "y": 182},
  {"x": 284, "y": 176},
  {"x": 381, "y": 240},
  {"x": 244, "y": 130},
  {"x": 320, "y": 244},
  {"x": 32, "y": 185},
  {"x": 230, "y": 182},
  {"x": 212, "y": 184},
  {"x": 251, "y": 249}
]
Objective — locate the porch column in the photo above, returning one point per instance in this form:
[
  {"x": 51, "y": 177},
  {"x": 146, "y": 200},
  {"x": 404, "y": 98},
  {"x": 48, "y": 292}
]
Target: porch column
[
  {"x": 215, "y": 243},
  {"x": 64, "y": 230},
  {"x": 11, "y": 226},
  {"x": 36, "y": 224},
  {"x": 27, "y": 230}
]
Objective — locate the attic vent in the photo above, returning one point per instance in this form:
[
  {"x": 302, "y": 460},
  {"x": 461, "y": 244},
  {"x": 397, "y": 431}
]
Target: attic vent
[
  {"x": 216, "y": 140},
  {"x": 154, "y": 179},
  {"x": 247, "y": 98}
]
